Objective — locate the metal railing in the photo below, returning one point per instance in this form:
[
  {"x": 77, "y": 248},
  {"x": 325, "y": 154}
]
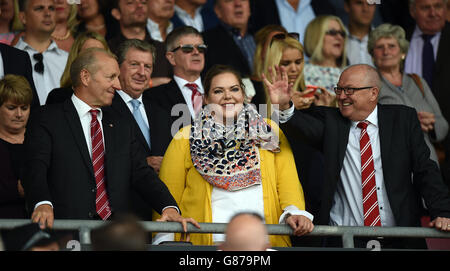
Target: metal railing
[{"x": 346, "y": 232}]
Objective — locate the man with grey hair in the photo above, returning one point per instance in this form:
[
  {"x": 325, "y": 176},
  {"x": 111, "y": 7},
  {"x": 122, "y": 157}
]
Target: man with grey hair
[
  {"x": 136, "y": 61},
  {"x": 376, "y": 160},
  {"x": 428, "y": 56},
  {"x": 83, "y": 158},
  {"x": 246, "y": 232},
  {"x": 186, "y": 53}
]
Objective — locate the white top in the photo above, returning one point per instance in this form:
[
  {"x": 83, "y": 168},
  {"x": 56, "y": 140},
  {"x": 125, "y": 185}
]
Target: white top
[
  {"x": 153, "y": 29},
  {"x": 127, "y": 99},
  {"x": 347, "y": 209},
  {"x": 2, "y": 70},
  {"x": 196, "y": 22},
  {"x": 413, "y": 62},
  {"x": 54, "y": 60}
]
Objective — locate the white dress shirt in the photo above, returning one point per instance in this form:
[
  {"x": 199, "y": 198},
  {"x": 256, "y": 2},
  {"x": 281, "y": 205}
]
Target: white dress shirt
[
  {"x": 413, "y": 62},
  {"x": 187, "y": 92},
  {"x": 127, "y": 99},
  {"x": 54, "y": 60},
  {"x": 2, "y": 69},
  {"x": 153, "y": 29},
  {"x": 347, "y": 209},
  {"x": 196, "y": 22}
]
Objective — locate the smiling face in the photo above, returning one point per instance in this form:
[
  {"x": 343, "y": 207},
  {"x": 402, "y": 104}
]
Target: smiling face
[
  {"x": 135, "y": 72},
  {"x": 226, "y": 97},
  {"x": 13, "y": 116},
  {"x": 292, "y": 60},
  {"x": 361, "y": 103},
  {"x": 333, "y": 45},
  {"x": 62, "y": 10},
  {"x": 387, "y": 54},
  {"x": 102, "y": 83}
]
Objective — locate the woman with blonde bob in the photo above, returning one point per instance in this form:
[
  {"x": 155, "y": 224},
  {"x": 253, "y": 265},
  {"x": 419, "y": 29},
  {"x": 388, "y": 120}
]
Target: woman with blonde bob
[
  {"x": 325, "y": 40},
  {"x": 388, "y": 47}
]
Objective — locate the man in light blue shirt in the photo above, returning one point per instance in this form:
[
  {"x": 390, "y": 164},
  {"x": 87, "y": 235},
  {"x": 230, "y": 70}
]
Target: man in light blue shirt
[{"x": 47, "y": 59}]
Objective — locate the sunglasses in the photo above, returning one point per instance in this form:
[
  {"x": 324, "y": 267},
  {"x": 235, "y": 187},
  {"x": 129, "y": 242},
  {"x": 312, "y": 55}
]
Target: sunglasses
[
  {"x": 334, "y": 32},
  {"x": 348, "y": 91},
  {"x": 39, "y": 66},
  {"x": 276, "y": 35},
  {"x": 189, "y": 48}
]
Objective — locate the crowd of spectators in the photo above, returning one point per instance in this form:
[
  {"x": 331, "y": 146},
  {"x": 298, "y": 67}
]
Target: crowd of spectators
[{"x": 198, "y": 110}]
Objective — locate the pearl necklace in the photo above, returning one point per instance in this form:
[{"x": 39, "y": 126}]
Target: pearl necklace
[{"x": 66, "y": 36}]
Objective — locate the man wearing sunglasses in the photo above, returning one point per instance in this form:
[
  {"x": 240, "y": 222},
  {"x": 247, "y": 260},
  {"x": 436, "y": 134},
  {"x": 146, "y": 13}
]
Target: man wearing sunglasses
[
  {"x": 47, "y": 59},
  {"x": 377, "y": 164},
  {"x": 182, "y": 96}
]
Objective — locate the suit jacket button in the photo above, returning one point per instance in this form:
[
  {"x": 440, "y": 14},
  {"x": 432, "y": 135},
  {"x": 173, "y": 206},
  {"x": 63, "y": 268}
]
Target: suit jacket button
[
  {"x": 93, "y": 190},
  {"x": 91, "y": 215}
]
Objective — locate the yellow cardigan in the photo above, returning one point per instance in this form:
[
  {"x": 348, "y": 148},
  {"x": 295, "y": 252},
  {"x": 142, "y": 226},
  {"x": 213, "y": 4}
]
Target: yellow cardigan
[{"x": 280, "y": 184}]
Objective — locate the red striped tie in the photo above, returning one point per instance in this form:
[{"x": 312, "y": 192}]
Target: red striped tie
[
  {"x": 196, "y": 97},
  {"x": 369, "y": 193},
  {"x": 98, "y": 159}
]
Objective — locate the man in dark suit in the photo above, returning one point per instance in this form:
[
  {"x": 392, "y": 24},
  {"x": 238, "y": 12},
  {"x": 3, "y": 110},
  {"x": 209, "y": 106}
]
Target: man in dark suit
[
  {"x": 397, "y": 169},
  {"x": 182, "y": 97},
  {"x": 18, "y": 62},
  {"x": 230, "y": 42},
  {"x": 136, "y": 62},
  {"x": 82, "y": 160},
  {"x": 432, "y": 29}
]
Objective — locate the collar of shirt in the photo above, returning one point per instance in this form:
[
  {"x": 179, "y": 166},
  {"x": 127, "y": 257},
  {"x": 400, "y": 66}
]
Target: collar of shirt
[
  {"x": 83, "y": 108},
  {"x": 234, "y": 32},
  {"x": 153, "y": 29},
  {"x": 417, "y": 34},
  {"x": 127, "y": 98},
  {"x": 182, "y": 83},
  {"x": 372, "y": 119},
  {"x": 300, "y": 8},
  {"x": 185, "y": 17},
  {"x": 23, "y": 45}
]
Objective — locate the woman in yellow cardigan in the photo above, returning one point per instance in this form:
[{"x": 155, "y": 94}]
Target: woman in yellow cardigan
[{"x": 231, "y": 160}]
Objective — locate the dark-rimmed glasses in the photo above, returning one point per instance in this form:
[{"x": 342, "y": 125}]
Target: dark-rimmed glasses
[
  {"x": 189, "y": 48},
  {"x": 348, "y": 90}
]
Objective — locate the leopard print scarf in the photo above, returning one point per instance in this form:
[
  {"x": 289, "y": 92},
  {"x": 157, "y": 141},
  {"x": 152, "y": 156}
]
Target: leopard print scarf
[{"x": 228, "y": 156}]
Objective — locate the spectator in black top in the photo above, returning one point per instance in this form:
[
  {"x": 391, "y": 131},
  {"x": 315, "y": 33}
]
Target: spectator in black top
[{"x": 15, "y": 100}]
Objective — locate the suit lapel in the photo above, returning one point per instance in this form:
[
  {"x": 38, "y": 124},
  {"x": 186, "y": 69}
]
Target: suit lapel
[
  {"x": 73, "y": 120},
  {"x": 343, "y": 134},
  {"x": 385, "y": 130}
]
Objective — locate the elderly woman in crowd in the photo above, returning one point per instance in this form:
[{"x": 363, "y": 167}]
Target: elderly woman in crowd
[
  {"x": 388, "y": 47},
  {"x": 325, "y": 40},
  {"x": 83, "y": 41},
  {"x": 231, "y": 160},
  {"x": 15, "y": 100}
]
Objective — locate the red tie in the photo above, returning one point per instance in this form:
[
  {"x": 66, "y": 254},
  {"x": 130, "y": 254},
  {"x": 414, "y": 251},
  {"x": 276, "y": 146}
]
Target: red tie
[
  {"x": 98, "y": 159},
  {"x": 369, "y": 192},
  {"x": 196, "y": 97}
]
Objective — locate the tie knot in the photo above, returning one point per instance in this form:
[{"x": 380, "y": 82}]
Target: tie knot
[
  {"x": 193, "y": 87},
  {"x": 426, "y": 37},
  {"x": 94, "y": 113},
  {"x": 135, "y": 103},
  {"x": 363, "y": 124}
]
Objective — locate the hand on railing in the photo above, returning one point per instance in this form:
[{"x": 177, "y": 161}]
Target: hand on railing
[
  {"x": 171, "y": 214},
  {"x": 43, "y": 214},
  {"x": 300, "y": 224},
  {"x": 441, "y": 223}
]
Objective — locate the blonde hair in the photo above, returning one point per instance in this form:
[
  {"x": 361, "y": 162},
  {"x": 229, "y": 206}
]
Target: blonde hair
[
  {"x": 272, "y": 58},
  {"x": 314, "y": 35},
  {"x": 75, "y": 51}
]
